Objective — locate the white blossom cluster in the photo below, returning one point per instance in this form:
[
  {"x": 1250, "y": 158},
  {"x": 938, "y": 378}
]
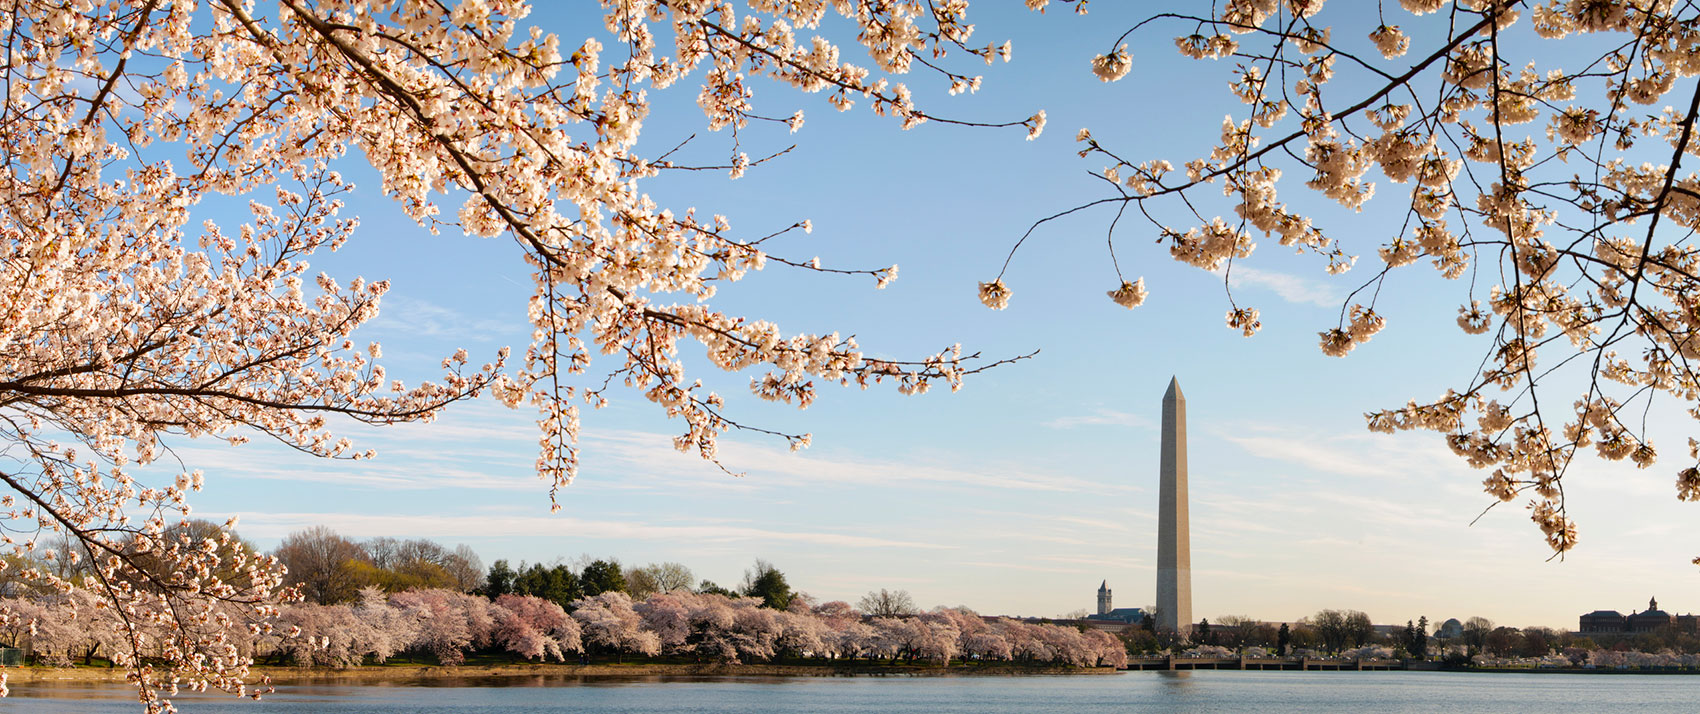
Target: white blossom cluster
[
  {"x": 1555, "y": 174},
  {"x": 128, "y": 322}
]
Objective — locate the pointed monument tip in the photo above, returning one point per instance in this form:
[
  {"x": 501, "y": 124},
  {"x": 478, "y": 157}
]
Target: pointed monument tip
[{"x": 1174, "y": 389}]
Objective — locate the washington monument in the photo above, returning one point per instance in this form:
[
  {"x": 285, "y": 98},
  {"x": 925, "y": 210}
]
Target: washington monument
[{"x": 1174, "y": 546}]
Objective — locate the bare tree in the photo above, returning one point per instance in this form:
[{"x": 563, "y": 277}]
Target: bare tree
[
  {"x": 658, "y": 578},
  {"x": 1340, "y": 629},
  {"x": 641, "y": 583},
  {"x": 319, "y": 564},
  {"x": 383, "y": 551},
  {"x": 671, "y": 576},
  {"x": 1476, "y": 630},
  {"x": 70, "y": 558},
  {"x": 422, "y": 560},
  {"x": 1237, "y": 631},
  {"x": 887, "y": 603},
  {"x": 464, "y": 565}
]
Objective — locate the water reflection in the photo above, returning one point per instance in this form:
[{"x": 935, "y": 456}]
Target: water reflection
[
  {"x": 526, "y": 681},
  {"x": 1176, "y": 693},
  {"x": 1175, "y": 680},
  {"x": 1165, "y": 692}
]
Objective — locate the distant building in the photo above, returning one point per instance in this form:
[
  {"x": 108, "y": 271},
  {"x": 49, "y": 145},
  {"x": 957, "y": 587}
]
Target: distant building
[
  {"x": 1651, "y": 618},
  {"x": 1113, "y": 618},
  {"x": 1388, "y": 630},
  {"x": 1648, "y": 620},
  {"x": 1449, "y": 629},
  {"x": 1603, "y": 621},
  {"x": 1123, "y": 615}
]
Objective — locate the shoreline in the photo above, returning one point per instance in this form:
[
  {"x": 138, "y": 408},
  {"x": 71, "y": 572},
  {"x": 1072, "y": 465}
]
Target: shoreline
[
  {"x": 407, "y": 673},
  {"x": 423, "y": 672}
]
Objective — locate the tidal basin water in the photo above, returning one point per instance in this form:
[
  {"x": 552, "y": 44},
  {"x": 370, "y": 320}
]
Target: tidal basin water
[{"x": 1131, "y": 692}]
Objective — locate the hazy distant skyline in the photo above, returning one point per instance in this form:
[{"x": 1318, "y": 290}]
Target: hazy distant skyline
[{"x": 1038, "y": 480}]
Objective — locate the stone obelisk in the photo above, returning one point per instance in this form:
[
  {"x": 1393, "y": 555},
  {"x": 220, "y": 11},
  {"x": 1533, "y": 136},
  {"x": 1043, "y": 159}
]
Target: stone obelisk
[{"x": 1174, "y": 546}]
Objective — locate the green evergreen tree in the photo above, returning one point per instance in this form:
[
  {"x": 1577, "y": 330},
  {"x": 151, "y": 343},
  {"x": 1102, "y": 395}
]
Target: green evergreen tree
[
  {"x": 603, "y": 576},
  {"x": 562, "y": 586},
  {"x": 766, "y": 582},
  {"x": 528, "y": 580},
  {"x": 1419, "y": 647},
  {"x": 709, "y": 587},
  {"x": 499, "y": 581},
  {"x": 558, "y": 584}
]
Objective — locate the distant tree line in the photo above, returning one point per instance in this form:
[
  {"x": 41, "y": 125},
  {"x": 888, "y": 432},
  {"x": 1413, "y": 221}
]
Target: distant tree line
[
  {"x": 328, "y": 568},
  {"x": 564, "y": 584},
  {"x": 1326, "y": 632},
  {"x": 367, "y": 602},
  {"x": 1482, "y": 637},
  {"x": 447, "y": 627},
  {"x": 1476, "y": 639}
]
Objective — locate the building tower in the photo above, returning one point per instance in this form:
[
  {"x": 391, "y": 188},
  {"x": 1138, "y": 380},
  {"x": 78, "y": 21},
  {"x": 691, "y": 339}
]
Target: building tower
[
  {"x": 1174, "y": 544},
  {"x": 1104, "y": 598}
]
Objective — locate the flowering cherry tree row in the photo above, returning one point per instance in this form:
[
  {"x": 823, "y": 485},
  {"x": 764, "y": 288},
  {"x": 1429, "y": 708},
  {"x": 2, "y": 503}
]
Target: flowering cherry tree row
[{"x": 63, "y": 628}]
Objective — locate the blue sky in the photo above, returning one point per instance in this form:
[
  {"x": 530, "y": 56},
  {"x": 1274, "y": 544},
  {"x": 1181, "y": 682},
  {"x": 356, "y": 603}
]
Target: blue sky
[{"x": 1020, "y": 493}]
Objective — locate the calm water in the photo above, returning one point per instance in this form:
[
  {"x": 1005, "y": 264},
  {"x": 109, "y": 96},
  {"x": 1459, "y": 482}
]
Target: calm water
[{"x": 1133, "y": 692}]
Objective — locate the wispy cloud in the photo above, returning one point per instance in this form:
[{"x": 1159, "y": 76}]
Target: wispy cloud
[
  {"x": 1291, "y": 288},
  {"x": 1100, "y": 417},
  {"x": 1382, "y": 512},
  {"x": 1107, "y": 560},
  {"x": 653, "y": 454},
  {"x": 1025, "y": 567},
  {"x": 487, "y": 447},
  {"x": 366, "y": 525},
  {"x": 1239, "y": 528},
  {"x": 423, "y": 318},
  {"x": 420, "y": 470},
  {"x": 1236, "y": 574},
  {"x": 1060, "y": 540},
  {"x": 1095, "y": 524},
  {"x": 1330, "y": 455}
]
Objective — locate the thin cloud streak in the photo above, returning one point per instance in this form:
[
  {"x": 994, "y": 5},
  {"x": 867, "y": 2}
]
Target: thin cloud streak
[
  {"x": 1319, "y": 455},
  {"x": 1099, "y": 417},
  {"x": 423, "y": 318},
  {"x": 1291, "y": 288},
  {"x": 261, "y": 463},
  {"x": 366, "y": 525},
  {"x": 1022, "y": 566},
  {"x": 653, "y": 454}
]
